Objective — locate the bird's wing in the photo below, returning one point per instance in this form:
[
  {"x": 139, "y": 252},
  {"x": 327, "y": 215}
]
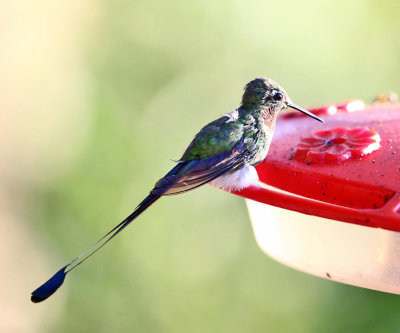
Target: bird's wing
[
  {"x": 188, "y": 175},
  {"x": 215, "y": 138}
]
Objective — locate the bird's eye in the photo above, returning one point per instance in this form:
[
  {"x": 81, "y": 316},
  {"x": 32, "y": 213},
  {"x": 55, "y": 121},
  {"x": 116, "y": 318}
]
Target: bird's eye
[{"x": 278, "y": 96}]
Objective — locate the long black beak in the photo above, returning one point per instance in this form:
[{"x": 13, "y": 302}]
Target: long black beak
[{"x": 308, "y": 113}]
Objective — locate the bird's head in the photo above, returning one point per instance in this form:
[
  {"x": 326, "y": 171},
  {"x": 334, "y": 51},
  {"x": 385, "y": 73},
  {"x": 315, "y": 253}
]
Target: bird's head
[{"x": 265, "y": 93}]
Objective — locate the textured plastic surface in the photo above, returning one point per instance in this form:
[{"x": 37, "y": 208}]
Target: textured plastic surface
[{"x": 363, "y": 190}]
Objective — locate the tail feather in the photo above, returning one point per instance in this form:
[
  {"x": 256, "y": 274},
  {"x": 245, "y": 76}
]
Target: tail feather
[
  {"x": 55, "y": 282},
  {"x": 146, "y": 203}
]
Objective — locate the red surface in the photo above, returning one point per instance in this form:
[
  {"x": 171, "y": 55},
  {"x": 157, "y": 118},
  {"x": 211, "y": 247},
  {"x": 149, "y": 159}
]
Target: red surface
[
  {"x": 349, "y": 105},
  {"x": 362, "y": 190},
  {"x": 319, "y": 111}
]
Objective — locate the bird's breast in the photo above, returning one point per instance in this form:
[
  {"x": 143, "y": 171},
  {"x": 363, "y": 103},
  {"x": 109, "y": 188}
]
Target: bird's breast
[{"x": 261, "y": 144}]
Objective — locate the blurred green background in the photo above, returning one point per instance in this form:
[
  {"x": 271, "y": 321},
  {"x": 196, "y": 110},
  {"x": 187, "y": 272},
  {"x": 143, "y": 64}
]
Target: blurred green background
[{"x": 98, "y": 96}]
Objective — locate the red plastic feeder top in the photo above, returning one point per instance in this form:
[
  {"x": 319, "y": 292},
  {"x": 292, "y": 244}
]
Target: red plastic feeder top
[{"x": 347, "y": 169}]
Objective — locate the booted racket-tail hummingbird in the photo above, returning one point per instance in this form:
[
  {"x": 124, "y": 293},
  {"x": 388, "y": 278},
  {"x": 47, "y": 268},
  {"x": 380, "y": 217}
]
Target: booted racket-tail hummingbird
[{"x": 223, "y": 153}]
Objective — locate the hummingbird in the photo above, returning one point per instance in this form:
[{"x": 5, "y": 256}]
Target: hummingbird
[{"x": 224, "y": 154}]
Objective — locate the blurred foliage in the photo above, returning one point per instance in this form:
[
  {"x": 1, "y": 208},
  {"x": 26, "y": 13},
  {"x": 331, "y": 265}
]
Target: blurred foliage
[{"x": 160, "y": 70}]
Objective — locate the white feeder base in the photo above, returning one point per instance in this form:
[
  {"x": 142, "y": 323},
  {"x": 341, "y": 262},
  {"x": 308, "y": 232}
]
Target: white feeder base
[{"x": 343, "y": 252}]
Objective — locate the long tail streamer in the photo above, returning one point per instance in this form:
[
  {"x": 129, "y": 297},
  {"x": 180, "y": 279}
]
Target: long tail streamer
[{"x": 50, "y": 287}]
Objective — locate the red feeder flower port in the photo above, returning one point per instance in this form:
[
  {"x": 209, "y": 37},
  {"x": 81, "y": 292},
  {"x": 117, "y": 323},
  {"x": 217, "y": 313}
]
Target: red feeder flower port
[
  {"x": 345, "y": 176},
  {"x": 338, "y": 144}
]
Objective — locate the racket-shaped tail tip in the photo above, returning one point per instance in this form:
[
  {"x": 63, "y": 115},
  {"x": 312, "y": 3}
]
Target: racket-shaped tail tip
[{"x": 50, "y": 287}]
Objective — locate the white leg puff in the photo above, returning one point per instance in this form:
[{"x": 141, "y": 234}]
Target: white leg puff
[{"x": 237, "y": 180}]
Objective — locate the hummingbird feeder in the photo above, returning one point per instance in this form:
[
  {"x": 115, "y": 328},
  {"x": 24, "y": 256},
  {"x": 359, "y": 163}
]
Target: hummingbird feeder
[{"x": 345, "y": 176}]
